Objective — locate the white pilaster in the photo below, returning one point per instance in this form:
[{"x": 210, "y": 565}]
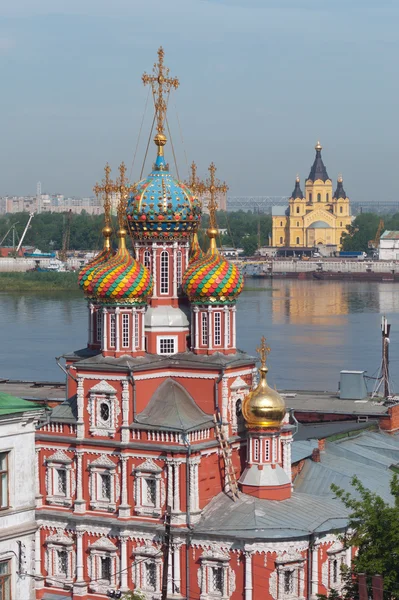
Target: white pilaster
[
  {"x": 176, "y": 488},
  {"x": 210, "y": 328},
  {"x": 315, "y": 571},
  {"x": 170, "y": 572},
  {"x": 38, "y": 559},
  {"x": 105, "y": 328},
  {"x": 226, "y": 328},
  {"x": 170, "y": 500},
  {"x": 79, "y": 557},
  {"x": 154, "y": 270},
  {"x": 90, "y": 332},
  {"x": 117, "y": 329},
  {"x": 233, "y": 326},
  {"x": 176, "y": 569},
  {"x": 80, "y": 504},
  {"x": 80, "y": 427},
  {"x": 37, "y": 478},
  {"x": 125, "y": 411},
  {"x": 197, "y": 331},
  {"x": 124, "y": 509},
  {"x": 248, "y": 586},
  {"x": 124, "y": 567},
  {"x": 174, "y": 281}
]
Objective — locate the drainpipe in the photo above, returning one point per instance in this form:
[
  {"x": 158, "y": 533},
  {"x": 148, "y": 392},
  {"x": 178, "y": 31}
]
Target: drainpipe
[
  {"x": 217, "y": 381},
  {"x": 310, "y": 566},
  {"x": 292, "y": 414},
  {"x": 188, "y": 512},
  {"x": 64, "y": 369},
  {"x": 133, "y": 382}
]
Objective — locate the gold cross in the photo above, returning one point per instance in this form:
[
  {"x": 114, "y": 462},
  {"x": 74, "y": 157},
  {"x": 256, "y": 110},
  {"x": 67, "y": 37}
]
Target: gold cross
[
  {"x": 193, "y": 182},
  {"x": 105, "y": 190},
  {"x": 123, "y": 189},
  {"x": 263, "y": 351},
  {"x": 161, "y": 83},
  {"x": 214, "y": 187}
]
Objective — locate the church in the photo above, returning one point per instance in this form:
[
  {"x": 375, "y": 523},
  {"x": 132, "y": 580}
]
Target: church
[
  {"x": 171, "y": 468},
  {"x": 315, "y": 218}
]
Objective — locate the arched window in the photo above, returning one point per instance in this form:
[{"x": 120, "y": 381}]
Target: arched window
[
  {"x": 327, "y": 197},
  {"x": 297, "y": 209},
  {"x": 341, "y": 210},
  {"x": 112, "y": 330},
  {"x": 318, "y": 197},
  {"x": 104, "y": 412},
  {"x": 178, "y": 268},
  {"x": 281, "y": 223},
  {"x": 147, "y": 259},
  {"x": 281, "y": 240},
  {"x": 340, "y": 224},
  {"x": 297, "y": 240},
  {"x": 310, "y": 197},
  {"x": 297, "y": 223},
  {"x": 204, "y": 328},
  {"x": 99, "y": 325},
  {"x": 164, "y": 272}
]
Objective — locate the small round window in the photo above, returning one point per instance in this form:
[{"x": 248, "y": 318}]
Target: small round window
[{"x": 104, "y": 411}]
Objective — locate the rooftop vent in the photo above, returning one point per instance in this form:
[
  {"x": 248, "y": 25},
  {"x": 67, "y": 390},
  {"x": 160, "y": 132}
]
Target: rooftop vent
[{"x": 352, "y": 385}]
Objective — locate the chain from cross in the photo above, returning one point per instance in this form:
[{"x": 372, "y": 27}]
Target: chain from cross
[
  {"x": 123, "y": 189},
  {"x": 263, "y": 351},
  {"x": 161, "y": 83},
  {"x": 213, "y": 186},
  {"x": 105, "y": 190}
]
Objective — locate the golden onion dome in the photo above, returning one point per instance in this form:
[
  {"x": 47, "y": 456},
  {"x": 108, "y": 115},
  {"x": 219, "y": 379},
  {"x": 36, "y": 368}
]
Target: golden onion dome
[{"x": 263, "y": 407}]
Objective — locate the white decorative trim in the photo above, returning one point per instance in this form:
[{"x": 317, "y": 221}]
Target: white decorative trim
[
  {"x": 149, "y": 466},
  {"x": 103, "y": 387},
  {"x": 170, "y": 373},
  {"x": 103, "y": 393}
]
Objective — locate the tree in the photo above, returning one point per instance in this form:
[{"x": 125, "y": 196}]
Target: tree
[
  {"x": 134, "y": 595},
  {"x": 375, "y": 526},
  {"x": 249, "y": 245}
]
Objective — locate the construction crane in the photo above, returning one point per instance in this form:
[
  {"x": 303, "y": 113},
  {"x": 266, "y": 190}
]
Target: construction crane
[
  {"x": 31, "y": 215},
  {"x": 8, "y": 231},
  {"x": 375, "y": 242},
  {"x": 66, "y": 237}
]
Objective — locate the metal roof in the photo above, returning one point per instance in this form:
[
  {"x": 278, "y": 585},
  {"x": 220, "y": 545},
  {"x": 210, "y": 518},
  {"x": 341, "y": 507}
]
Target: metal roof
[
  {"x": 390, "y": 235},
  {"x": 330, "y": 403},
  {"x": 171, "y": 407},
  {"x": 11, "y": 404},
  {"x": 320, "y": 431},
  {"x": 66, "y": 412}
]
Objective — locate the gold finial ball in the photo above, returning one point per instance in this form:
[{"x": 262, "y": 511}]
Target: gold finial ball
[
  {"x": 318, "y": 146},
  {"x": 212, "y": 232},
  {"x": 107, "y": 231},
  {"x": 121, "y": 233},
  {"x": 340, "y": 179},
  {"x": 263, "y": 407},
  {"x": 297, "y": 179},
  {"x": 160, "y": 139}
]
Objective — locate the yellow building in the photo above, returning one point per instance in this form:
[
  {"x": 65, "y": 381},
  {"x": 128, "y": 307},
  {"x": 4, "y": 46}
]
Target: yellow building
[{"x": 318, "y": 217}]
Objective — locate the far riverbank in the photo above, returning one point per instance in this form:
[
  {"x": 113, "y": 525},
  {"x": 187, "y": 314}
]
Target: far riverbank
[{"x": 37, "y": 281}]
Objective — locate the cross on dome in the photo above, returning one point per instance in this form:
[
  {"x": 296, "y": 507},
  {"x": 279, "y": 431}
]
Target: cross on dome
[
  {"x": 263, "y": 350},
  {"x": 105, "y": 190},
  {"x": 160, "y": 83},
  {"x": 123, "y": 189},
  {"x": 213, "y": 186}
]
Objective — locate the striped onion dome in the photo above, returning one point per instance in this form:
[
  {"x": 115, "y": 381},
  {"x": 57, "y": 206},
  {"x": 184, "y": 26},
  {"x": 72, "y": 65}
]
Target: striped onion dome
[
  {"x": 195, "y": 250},
  {"x": 122, "y": 279},
  {"x": 212, "y": 279},
  {"x": 85, "y": 277}
]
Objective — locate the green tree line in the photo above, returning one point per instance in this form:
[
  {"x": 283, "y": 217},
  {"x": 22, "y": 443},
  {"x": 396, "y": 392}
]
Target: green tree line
[{"x": 47, "y": 229}]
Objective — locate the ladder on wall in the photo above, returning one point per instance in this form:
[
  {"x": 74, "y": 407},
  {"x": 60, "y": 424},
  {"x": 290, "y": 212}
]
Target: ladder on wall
[{"x": 228, "y": 463}]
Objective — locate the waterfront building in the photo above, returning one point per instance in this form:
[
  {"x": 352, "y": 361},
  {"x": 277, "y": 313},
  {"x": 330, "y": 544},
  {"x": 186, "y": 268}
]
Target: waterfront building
[
  {"x": 388, "y": 248},
  {"x": 172, "y": 461},
  {"x": 18, "y": 419},
  {"x": 316, "y": 217}
]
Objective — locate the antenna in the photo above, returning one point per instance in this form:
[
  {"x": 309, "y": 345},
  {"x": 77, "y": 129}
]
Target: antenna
[{"x": 383, "y": 377}]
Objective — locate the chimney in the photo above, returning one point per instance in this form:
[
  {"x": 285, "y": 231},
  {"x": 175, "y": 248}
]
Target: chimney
[
  {"x": 378, "y": 587},
  {"x": 315, "y": 455}
]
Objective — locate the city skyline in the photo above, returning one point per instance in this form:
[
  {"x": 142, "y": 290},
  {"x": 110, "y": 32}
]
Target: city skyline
[{"x": 259, "y": 85}]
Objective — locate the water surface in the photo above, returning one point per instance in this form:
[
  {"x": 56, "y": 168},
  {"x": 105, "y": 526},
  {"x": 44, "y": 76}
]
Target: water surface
[{"x": 314, "y": 328}]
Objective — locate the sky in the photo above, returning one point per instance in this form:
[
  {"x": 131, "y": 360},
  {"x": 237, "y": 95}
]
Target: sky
[{"x": 260, "y": 82}]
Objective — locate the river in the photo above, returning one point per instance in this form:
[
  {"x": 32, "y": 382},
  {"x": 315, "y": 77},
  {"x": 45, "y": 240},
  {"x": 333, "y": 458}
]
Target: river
[{"x": 314, "y": 329}]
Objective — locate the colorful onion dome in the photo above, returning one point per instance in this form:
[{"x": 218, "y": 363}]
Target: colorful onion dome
[
  {"x": 195, "y": 250},
  {"x": 212, "y": 279},
  {"x": 161, "y": 206},
  {"x": 122, "y": 279},
  {"x": 85, "y": 277}
]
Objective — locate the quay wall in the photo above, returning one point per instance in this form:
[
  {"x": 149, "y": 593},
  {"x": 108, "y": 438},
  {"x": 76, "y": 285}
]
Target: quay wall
[{"x": 9, "y": 265}]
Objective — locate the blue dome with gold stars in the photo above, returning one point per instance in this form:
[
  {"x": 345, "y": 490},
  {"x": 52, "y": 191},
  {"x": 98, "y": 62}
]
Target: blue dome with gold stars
[{"x": 160, "y": 206}]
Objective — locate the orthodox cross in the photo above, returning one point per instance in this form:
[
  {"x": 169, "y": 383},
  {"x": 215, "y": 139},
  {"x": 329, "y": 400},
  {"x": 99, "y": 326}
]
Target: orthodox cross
[
  {"x": 161, "y": 83},
  {"x": 263, "y": 351},
  {"x": 105, "y": 190},
  {"x": 213, "y": 186},
  {"x": 194, "y": 183},
  {"x": 123, "y": 189}
]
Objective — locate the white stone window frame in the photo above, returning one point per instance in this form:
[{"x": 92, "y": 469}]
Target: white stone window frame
[
  {"x": 101, "y": 393},
  {"x": 164, "y": 271},
  {"x": 59, "y": 461},
  {"x": 296, "y": 564},
  {"x": 59, "y": 542},
  {"x": 126, "y": 329},
  {"x": 144, "y": 471},
  {"x": 238, "y": 390},
  {"x": 204, "y": 329},
  {"x": 171, "y": 338},
  {"x": 338, "y": 553},
  {"x": 217, "y": 324},
  {"x": 143, "y": 555},
  {"x": 215, "y": 559},
  {"x": 103, "y": 548},
  {"x": 103, "y": 466}
]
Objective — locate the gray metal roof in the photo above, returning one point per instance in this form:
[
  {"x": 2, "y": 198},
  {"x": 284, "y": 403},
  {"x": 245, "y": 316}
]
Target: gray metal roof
[
  {"x": 251, "y": 518},
  {"x": 328, "y": 402},
  {"x": 171, "y": 407},
  {"x": 67, "y": 412},
  {"x": 320, "y": 431},
  {"x": 302, "y": 449}
]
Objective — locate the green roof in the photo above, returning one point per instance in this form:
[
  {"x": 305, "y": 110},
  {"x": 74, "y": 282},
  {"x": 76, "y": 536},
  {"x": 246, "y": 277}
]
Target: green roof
[{"x": 11, "y": 404}]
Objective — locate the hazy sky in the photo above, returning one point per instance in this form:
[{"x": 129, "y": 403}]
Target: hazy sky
[{"x": 261, "y": 81}]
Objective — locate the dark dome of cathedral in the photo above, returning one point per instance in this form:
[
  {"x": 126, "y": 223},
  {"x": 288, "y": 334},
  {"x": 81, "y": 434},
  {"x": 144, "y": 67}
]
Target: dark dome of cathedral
[{"x": 318, "y": 169}]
